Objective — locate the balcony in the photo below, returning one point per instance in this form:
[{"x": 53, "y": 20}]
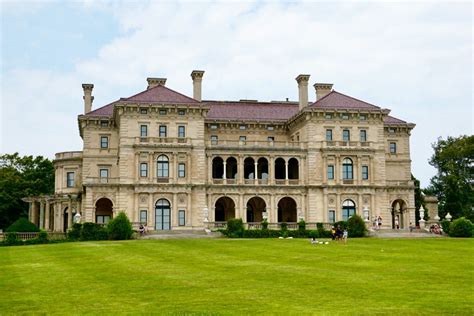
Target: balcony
[
  {"x": 400, "y": 183},
  {"x": 254, "y": 144},
  {"x": 68, "y": 155},
  {"x": 221, "y": 181},
  {"x": 349, "y": 144},
  {"x": 101, "y": 180},
  {"x": 162, "y": 141}
]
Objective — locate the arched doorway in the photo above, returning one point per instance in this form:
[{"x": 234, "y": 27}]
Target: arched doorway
[
  {"x": 224, "y": 209},
  {"x": 348, "y": 209},
  {"x": 162, "y": 215},
  {"x": 103, "y": 211},
  {"x": 399, "y": 208},
  {"x": 287, "y": 210},
  {"x": 255, "y": 208}
]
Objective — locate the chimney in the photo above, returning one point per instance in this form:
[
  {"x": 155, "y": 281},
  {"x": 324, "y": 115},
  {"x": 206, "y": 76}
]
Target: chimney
[
  {"x": 322, "y": 90},
  {"x": 303, "y": 90},
  {"x": 196, "y": 75},
  {"x": 153, "y": 82},
  {"x": 88, "y": 98}
]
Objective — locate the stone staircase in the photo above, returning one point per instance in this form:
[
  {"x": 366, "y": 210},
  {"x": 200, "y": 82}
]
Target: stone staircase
[
  {"x": 180, "y": 234},
  {"x": 403, "y": 233}
]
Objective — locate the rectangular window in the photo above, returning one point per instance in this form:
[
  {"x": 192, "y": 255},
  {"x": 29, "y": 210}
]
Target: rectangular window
[
  {"x": 332, "y": 216},
  {"x": 346, "y": 135},
  {"x": 162, "y": 130},
  {"x": 391, "y": 130},
  {"x": 70, "y": 179},
  {"x": 330, "y": 172},
  {"x": 143, "y": 111},
  {"x": 143, "y": 217},
  {"x": 214, "y": 139},
  {"x": 104, "y": 173},
  {"x": 181, "y": 112},
  {"x": 243, "y": 139},
  {"x": 181, "y": 170},
  {"x": 329, "y": 135},
  {"x": 365, "y": 172},
  {"x": 242, "y": 127},
  {"x": 143, "y": 130},
  {"x": 363, "y": 117},
  {"x": 102, "y": 219},
  {"x": 270, "y": 128},
  {"x": 181, "y": 218},
  {"x": 345, "y": 116},
  {"x": 328, "y": 116},
  {"x": 181, "y": 131},
  {"x": 213, "y": 126},
  {"x": 104, "y": 124},
  {"x": 143, "y": 169},
  {"x": 270, "y": 138},
  {"x": 363, "y": 135},
  {"x": 163, "y": 112},
  {"x": 393, "y": 148},
  {"x": 104, "y": 142}
]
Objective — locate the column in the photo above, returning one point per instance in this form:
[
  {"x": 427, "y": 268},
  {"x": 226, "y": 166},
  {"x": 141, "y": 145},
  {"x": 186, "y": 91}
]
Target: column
[
  {"x": 271, "y": 170},
  {"x": 56, "y": 217},
  {"x": 189, "y": 213},
  {"x": 41, "y": 217},
  {"x": 46, "y": 215},
  {"x": 135, "y": 212},
  {"x": 224, "y": 175},
  {"x": 338, "y": 208},
  {"x": 189, "y": 169},
  {"x": 256, "y": 172},
  {"x": 360, "y": 207},
  {"x": 241, "y": 169},
  {"x": 271, "y": 217},
  {"x": 209, "y": 169},
  {"x": 337, "y": 171},
  {"x": 358, "y": 172},
  {"x": 174, "y": 209},
  {"x": 286, "y": 172},
  {"x": 243, "y": 211},
  {"x": 30, "y": 211},
  {"x": 300, "y": 174},
  {"x": 325, "y": 169},
  {"x": 151, "y": 166},
  {"x": 150, "y": 212},
  {"x": 69, "y": 213}
]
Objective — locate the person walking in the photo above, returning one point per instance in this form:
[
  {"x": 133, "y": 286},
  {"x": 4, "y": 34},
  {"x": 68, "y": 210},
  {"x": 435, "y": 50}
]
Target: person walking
[{"x": 379, "y": 222}]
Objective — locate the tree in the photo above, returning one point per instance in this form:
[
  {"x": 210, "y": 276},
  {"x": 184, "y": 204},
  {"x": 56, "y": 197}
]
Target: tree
[
  {"x": 453, "y": 184},
  {"x": 21, "y": 177}
]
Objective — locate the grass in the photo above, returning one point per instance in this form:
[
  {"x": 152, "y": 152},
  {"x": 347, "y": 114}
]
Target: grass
[{"x": 235, "y": 276}]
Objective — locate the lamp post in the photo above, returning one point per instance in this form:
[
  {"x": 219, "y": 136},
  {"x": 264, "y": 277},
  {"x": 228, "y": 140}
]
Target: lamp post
[
  {"x": 77, "y": 218},
  {"x": 448, "y": 217},
  {"x": 422, "y": 216}
]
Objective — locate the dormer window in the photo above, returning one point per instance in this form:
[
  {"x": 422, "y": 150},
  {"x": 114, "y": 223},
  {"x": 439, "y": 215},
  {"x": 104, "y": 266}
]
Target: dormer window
[
  {"x": 363, "y": 117},
  {"x": 214, "y": 126},
  {"x": 163, "y": 112},
  {"x": 143, "y": 111},
  {"x": 270, "y": 128},
  {"x": 242, "y": 127},
  {"x": 104, "y": 123},
  {"x": 181, "y": 112},
  {"x": 345, "y": 116},
  {"x": 391, "y": 130},
  {"x": 328, "y": 116}
]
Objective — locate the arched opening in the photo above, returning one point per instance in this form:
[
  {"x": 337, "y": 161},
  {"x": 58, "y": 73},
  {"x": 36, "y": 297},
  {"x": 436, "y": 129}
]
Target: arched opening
[
  {"x": 280, "y": 168},
  {"x": 65, "y": 219},
  {"x": 163, "y": 169},
  {"x": 231, "y": 168},
  {"x": 347, "y": 170},
  {"x": 224, "y": 209},
  {"x": 293, "y": 170},
  {"x": 255, "y": 208},
  {"x": 348, "y": 209},
  {"x": 162, "y": 215},
  {"x": 399, "y": 208},
  {"x": 262, "y": 168},
  {"x": 103, "y": 211},
  {"x": 287, "y": 210},
  {"x": 217, "y": 168},
  {"x": 249, "y": 168}
]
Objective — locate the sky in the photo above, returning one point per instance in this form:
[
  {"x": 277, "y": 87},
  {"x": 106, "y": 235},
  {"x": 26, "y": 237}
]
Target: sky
[{"x": 414, "y": 58}]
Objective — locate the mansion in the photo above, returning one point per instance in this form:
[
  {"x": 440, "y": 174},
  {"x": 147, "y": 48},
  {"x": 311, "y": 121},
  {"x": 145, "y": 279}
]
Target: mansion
[{"x": 175, "y": 162}]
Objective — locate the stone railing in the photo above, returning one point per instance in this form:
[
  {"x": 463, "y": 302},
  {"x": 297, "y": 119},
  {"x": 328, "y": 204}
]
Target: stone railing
[
  {"x": 68, "y": 155},
  {"x": 255, "y": 144},
  {"x": 33, "y": 235},
  {"x": 162, "y": 140},
  {"x": 352, "y": 144},
  {"x": 400, "y": 183},
  {"x": 101, "y": 180},
  {"x": 259, "y": 181}
]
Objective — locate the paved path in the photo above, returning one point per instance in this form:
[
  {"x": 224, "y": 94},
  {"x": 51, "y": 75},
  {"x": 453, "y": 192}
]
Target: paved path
[{"x": 182, "y": 235}]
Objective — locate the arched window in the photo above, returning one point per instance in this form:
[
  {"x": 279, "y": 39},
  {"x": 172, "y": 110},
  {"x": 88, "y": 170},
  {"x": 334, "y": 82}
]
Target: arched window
[
  {"x": 348, "y": 209},
  {"x": 162, "y": 215},
  {"x": 162, "y": 167},
  {"x": 347, "y": 173},
  {"x": 217, "y": 168}
]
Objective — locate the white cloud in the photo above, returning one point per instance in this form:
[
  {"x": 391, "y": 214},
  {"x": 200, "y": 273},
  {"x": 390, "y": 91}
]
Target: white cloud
[{"x": 414, "y": 59}]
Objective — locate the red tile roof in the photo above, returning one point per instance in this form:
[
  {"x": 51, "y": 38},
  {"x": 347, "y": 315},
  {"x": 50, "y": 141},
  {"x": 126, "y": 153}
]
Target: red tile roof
[
  {"x": 393, "y": 120},
  {"x": 247, "y": 110},
  {"x": 160, "y": 94},
  {"x": 337, "y": 100},
  {"x": 106, "y": 110}
]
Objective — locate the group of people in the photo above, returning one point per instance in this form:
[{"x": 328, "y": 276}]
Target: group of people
[
  {"x": 377, "y": 223},
  {"x": 142, "y": 229},
  {"x": 337, "y": 233}
]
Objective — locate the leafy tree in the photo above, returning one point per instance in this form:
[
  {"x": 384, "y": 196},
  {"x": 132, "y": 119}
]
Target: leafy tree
[
  {"x": 356, "y": 226},
  {"x": 120, "y": 227},
  {"x": 453, "y": 185},
  {"x": 21, "y": 177},
  {"x": 22, "y": 225}
]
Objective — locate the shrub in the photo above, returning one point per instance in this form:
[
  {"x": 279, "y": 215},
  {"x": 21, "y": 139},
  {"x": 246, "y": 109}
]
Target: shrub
[
  {"x": 235, "y": 228},
  {"x": 12, "y": 239},
  {"x": 302, "y": 225},
  {"x": 42, "y": 237},
  {"x": 356, "y": 226},
  {"x": 343, "y": 224},
  {"x": 460, "y": 227},
  {"x": 74, "y": 233},
  {"x": 445, "y": 224},
  {"x": 284, "y": 226},
  {"x": 313, "y": 234},
  {"x": 22, "y": 225},
  {"x": 265, "y": 224},
  {"x": 120, "y": 227},
  {"x": 93, "y": 231}
]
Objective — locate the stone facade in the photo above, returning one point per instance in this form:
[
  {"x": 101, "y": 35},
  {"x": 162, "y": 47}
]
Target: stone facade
[{"x": 175, "y": 162}]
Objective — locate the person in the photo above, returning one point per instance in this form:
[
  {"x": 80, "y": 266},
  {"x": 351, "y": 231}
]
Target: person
[
  {"x": 344, "y": 235},
  {"x": 313, "y": 240},
  {"x": 338, "y": 232},
  {"x": 141, "y": 230},
  {"x": 397, "y": 226},
  {"x": 379, "y": 221},
  {"x": 411, "y": 227},
  {"x": 333, "y": 233}
]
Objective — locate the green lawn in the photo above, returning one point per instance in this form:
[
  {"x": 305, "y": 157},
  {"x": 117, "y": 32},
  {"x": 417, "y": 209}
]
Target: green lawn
[{"x": 230, "y": 276}]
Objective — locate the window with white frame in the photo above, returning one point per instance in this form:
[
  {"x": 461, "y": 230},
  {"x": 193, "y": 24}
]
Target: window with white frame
[
  {"x": 143, "y": 217},
  {"x": 143, "y": 130},
  {"x": 181, "y": 218},
  {"x": 330, "y": 172},
  {"x": 70, "y": 179},
  {"x": 332, "y": 216},
  {"x": 365, "y": 172},
  {"x": 104, "y": 142},
  {"x": 181, "y": 131},
  {"x": 348, "y": 209},
  {"x": 143, "y": 169},
  {"x": 162, "y": 130},
  {"x": 347, "y": 170},
  {"x": 346, "y": 135},
  {"x": 162, "y": 167},
  {"x": 393, "y": 148},
  {"x": 181, "y": 170},
  {"x": 363, "y": 135},
  {"x": 329, "y": 135},
  {"x": 214, "y": 139}
]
